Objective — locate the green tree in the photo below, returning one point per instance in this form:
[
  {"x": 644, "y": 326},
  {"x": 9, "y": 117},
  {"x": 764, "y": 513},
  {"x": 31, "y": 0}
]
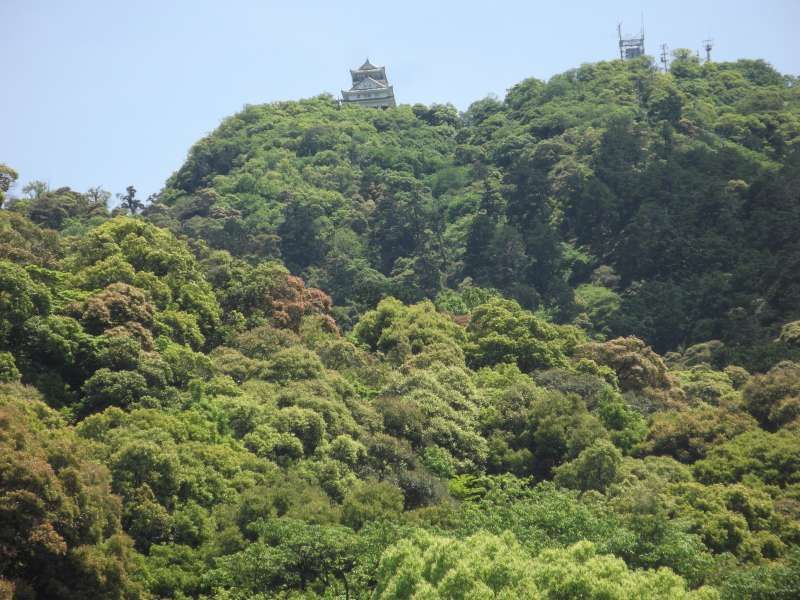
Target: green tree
[
  {"x": 501, "y": 331},
  {"x": 111, "y": 388},
  {"x": 774, "y": 398},
  {"x": 129, "y": 202},
  {"x": 595, "y": 468},
  {"x": 7, "y": 178},
  {"x": 61, "y": 535},
  {"x": 291, "y": 555},
  {"x": 371, "y": 501},
  {"x": 21, "y": 299}
]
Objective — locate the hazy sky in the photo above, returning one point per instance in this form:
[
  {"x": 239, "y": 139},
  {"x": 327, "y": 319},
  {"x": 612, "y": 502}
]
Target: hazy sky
[{"x": 112, "y": 93}]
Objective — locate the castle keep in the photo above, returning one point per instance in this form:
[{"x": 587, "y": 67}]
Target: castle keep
[{"x": 370, "y": 87}]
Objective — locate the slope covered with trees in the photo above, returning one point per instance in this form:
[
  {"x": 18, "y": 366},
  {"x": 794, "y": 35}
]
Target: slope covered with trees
[
  {"x": 548, "y": 348},
  {"x": 634, "y": 201}
]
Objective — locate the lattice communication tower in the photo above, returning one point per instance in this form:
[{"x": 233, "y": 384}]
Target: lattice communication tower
[{"x": 630, "y": 46}]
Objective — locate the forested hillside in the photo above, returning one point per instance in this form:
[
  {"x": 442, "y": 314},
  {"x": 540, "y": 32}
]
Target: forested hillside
[
  {"x": 548, "y": 348},
  {"x": 615, "y": 196}
]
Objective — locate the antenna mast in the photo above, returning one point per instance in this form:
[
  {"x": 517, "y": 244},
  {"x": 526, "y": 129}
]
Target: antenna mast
[
  {"x": 665, "y": 57},
  {"x": 708, "y": 45}
]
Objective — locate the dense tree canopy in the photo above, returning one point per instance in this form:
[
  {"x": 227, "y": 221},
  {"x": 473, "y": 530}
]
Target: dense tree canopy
[
  {"x": 662, "y": 205},
  {"x": 547, "y": 348}
]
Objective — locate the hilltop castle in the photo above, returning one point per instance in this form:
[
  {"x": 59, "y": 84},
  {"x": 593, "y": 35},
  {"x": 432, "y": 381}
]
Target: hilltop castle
[{"x": 370, "y": 87}]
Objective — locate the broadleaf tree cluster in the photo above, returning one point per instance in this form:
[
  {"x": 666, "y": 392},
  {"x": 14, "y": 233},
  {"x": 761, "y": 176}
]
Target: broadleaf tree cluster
[{"x": 547, "y": 348}]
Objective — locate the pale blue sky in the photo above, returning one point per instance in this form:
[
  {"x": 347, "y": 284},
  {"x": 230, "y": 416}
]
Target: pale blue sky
[{"x": 111, "y": 93}]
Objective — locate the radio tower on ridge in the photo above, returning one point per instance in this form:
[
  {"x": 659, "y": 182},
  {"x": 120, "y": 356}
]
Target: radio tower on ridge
[
  {"x": 630, "y": 46},
  {"x": 708, "y": 45}
]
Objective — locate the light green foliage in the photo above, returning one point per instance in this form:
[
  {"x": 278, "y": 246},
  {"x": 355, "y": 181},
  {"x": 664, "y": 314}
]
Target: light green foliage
[
  {"x": 22, "y": 242},
  {"x": 58, "y": 341},
  {"x": 487, "y": 566},
  {"x": 339, "y": 171},
  {"x": 483, "y": 566},
  {"x": 401, "y": 331},
  {"x": 501, "y": 331},
  {"x": 438, "y": 407},
  {"x": 554, "y": 195},
  {"x": 105, "y": 272},
  {"x": 703, "y": 384},
  {"x": 439, "y": 461},
  {"x": 183, "y": 363},
  {"x": 539, "y": 516},
  {"x": 790, "y": 333},
  {"x": 626, "y": 426},
  {"x": 347, "y": 450},
  {"x": 649, "y": 535},
  {"x": 267, "y": 442},
  {"x": 773, "y": 458},
  {"x": 738, "y": 376},
  {"x": 733, "y": 519},
  {"x": 181, "y": 327}
]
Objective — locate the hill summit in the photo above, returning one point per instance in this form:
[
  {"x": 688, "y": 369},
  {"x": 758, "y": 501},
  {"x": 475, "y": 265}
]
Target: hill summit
[{"x": 613, "y": 195}]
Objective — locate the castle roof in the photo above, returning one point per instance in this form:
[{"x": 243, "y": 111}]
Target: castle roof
[
  {"x": 367, "y": 66},
  {"x": 368, "y": 83}
]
